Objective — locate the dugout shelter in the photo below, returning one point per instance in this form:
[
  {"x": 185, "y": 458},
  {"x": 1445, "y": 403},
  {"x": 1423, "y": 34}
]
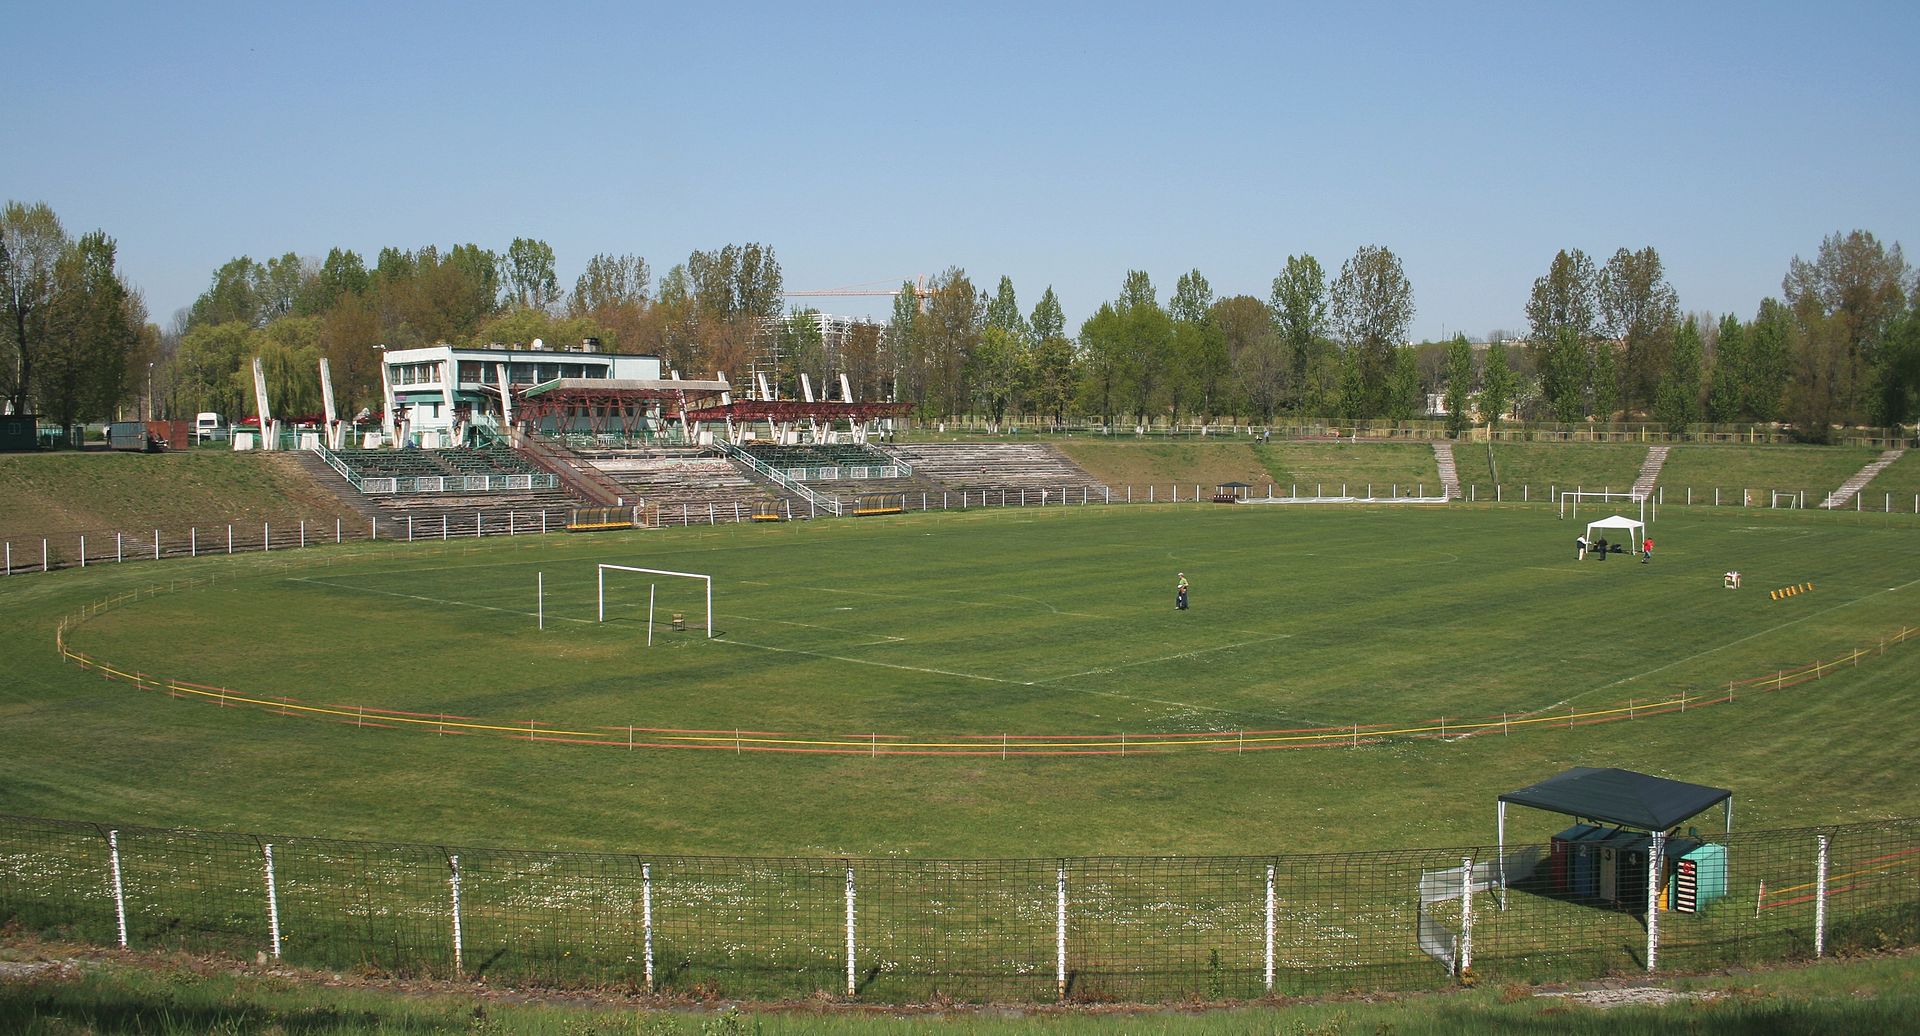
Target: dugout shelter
[
  {"x": 1634, "y": 530},
  {"x": 1636, "y": 805}
]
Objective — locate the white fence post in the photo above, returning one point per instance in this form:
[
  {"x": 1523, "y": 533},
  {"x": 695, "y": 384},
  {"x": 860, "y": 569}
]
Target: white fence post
[
  {"x": 1060, "y": 933},
  {"x": 1269, "y": 929},
  {"x": 83, "y": 550},
  {"x": 850, "y": 930},
  {"x": 646, "y": 921},
  {"x": 1655, "y": 867},
  {"x": 119, "y": 541},
  {"x": 453, "y": 867},
  {"x": 273, "y": 901},
  {"x": 119, "y": 891},
  {"x": 1466, "y": 915},
  {"x": 1820, "y": 901}
]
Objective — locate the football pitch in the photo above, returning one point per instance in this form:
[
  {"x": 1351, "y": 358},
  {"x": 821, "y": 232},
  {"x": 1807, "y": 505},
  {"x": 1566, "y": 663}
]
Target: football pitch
[{"x": 866, "y": 678}]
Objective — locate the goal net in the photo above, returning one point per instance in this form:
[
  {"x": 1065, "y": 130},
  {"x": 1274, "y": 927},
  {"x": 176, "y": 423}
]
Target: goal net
[
  {"x": 675, "y": 599},
  {"x": 1789, "y": 499}
]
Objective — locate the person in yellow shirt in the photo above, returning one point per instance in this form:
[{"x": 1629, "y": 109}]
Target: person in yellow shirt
[{"x": 1180, "y": 593}]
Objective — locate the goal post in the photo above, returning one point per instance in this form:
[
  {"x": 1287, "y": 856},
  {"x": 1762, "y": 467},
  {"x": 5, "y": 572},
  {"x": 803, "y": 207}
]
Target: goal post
[
  {"x": 705, "y": 580},
  {"x": 1574, "y": 496}
]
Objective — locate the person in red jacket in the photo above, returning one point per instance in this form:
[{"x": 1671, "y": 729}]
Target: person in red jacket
[{"x": 1646, "y": 550}]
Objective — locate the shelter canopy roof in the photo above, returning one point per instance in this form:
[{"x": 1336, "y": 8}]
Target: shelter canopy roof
[{"x": 1622, "y": 797}]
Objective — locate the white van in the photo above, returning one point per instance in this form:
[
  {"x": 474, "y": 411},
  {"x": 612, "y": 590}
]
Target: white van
[{"x": 211, "y": 426}]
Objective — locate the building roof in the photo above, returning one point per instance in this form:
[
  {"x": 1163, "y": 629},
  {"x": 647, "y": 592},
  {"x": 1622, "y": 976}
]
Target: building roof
[
  {"x": 1623, "y": 797},
  {"x": 650, "y": 387}
]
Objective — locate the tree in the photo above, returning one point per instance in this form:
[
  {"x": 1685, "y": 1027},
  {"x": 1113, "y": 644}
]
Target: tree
[
  {"x": 93, "y": 332},
  {"x": 1605, "y": 374},
  {"x": 1199, "y": 368},
  {"x": 280, "y": 284},
  {"x": 1459, "y": 385},
  {"x": 1770, "y": 346},
  {"x": 1677, "y": 403},
  {"x": 1053, "y": 377},
  {"x": 1730, "y": 372},
  {"x": 1146, "y": 346},
  {"x": 1192, "y": 298},
  {"x": 1565, "y": 365},
  {"x": 1898, "y": 378},
  {"x": 610, "y": 282},
  {"x": 904, "y": 346},
  {"x": 951, "y": 330},
  {"x": 1498, "y": 386},
  {"x": 863, "y": 361},
  {"x": 531, "y": 280},
  {"x": 1101, "y": 346},
  {"x": 1564, "y": 298},
  {"x": 1640, "y": 309},
  {"x": 998, "y": 370},
  {"x": 342, "y": 274},
  {"x": 1004, "y": 311},
  {"x": 31, "y": 243},
  {"x": 1372, "y": 304},
  {"x": 205, "y": 367},
  {"x": 1299, "y": 306},
  {"x": 1255, "y": 353},
  {"x": 1048, "y": 321},
  {"x": 1860, "y": 284},
  {"x": 233, "y": 295}
]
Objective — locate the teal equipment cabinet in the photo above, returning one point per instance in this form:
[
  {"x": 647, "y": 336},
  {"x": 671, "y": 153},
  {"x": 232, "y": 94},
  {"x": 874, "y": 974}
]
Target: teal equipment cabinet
[{"x": 1699, "y": 877}]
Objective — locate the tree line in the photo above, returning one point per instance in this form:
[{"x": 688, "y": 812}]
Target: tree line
[
  {"x": 1839, "y": 346},
  {"x": 76, "y": 343}
]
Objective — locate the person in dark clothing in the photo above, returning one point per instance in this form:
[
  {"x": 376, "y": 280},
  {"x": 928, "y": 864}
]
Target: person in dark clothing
[{"x": 1602, "y": 548}]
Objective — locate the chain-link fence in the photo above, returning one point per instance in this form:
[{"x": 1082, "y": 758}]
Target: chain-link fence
[{"x": 886, "y": 930}]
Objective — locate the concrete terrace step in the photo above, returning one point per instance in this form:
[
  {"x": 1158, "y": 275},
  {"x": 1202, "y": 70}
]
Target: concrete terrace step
[
  {"x": 1649, "y": 472},
  {"x": 1860, "y": 478},
  {"x": 982, "y": 466},
  {"x": 1449, "y": 473}
]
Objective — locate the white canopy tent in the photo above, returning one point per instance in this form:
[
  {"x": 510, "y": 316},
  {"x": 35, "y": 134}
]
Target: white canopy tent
[{"x": 1619, "y": 523}]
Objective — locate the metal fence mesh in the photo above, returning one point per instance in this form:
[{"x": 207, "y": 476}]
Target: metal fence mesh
[{"x": 889, "y": 930}]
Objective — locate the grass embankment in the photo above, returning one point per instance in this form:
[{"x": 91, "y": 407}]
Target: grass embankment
[
  {"x": 1901, "y": 479},
  {"x": 1816, "y": 470},
  {"x": 1039, "y": 622},
  {"x": 50, "y": 993},
  {"x": 46, "y": 494},
  {"x": 1595, "y": 467},
  {"x": 1287, "y": 466}
]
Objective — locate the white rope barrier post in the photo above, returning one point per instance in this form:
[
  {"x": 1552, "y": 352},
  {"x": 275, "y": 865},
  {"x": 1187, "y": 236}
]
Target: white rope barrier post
[
  {"x": 1269, "y": 929},
  {"x": 850, "y": 931},
  {"x": 453, "y": 867},
  {"x": 1466, "y": 916},
  {"x": 1820, "y": 901},
  {"x": 1060, "y": 933},
  {"x": 1654, "y": 868},
  {"x": 119, "y": 890},
  {"x": 646, "y": 922},
  {"x": 273, "y": 901}
]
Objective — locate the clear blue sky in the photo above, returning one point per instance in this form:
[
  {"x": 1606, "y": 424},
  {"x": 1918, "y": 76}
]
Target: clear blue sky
[{"x": 1060, "y": 146}]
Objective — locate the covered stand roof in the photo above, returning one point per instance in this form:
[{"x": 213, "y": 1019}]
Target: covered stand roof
[
  {"x": 795, "y": 410},
  {"x": 1622, "y": 797}
]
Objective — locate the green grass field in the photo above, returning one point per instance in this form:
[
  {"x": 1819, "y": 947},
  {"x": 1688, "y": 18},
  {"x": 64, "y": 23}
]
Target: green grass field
[
  {"x": 942, "y": 628},
  {"x": 865, "y": 655}
]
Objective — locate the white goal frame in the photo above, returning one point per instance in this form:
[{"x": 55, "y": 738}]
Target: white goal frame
[
  {"x": 1795, "y": 499},
  {"x": 602, "y": 579},
  {"x": 1576, "y": 495}
]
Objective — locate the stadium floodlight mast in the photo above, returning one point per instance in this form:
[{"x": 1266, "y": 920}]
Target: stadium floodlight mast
[{"x": 706, "y": 579}]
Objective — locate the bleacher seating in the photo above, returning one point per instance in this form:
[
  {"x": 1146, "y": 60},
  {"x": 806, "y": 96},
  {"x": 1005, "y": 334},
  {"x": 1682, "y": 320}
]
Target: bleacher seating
[
  {"x": 445, "y": 463},
  {"x": 814, "y": 459},
  {"x": 990, "y": 466},
  {"x": 684, "y": 480}
]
